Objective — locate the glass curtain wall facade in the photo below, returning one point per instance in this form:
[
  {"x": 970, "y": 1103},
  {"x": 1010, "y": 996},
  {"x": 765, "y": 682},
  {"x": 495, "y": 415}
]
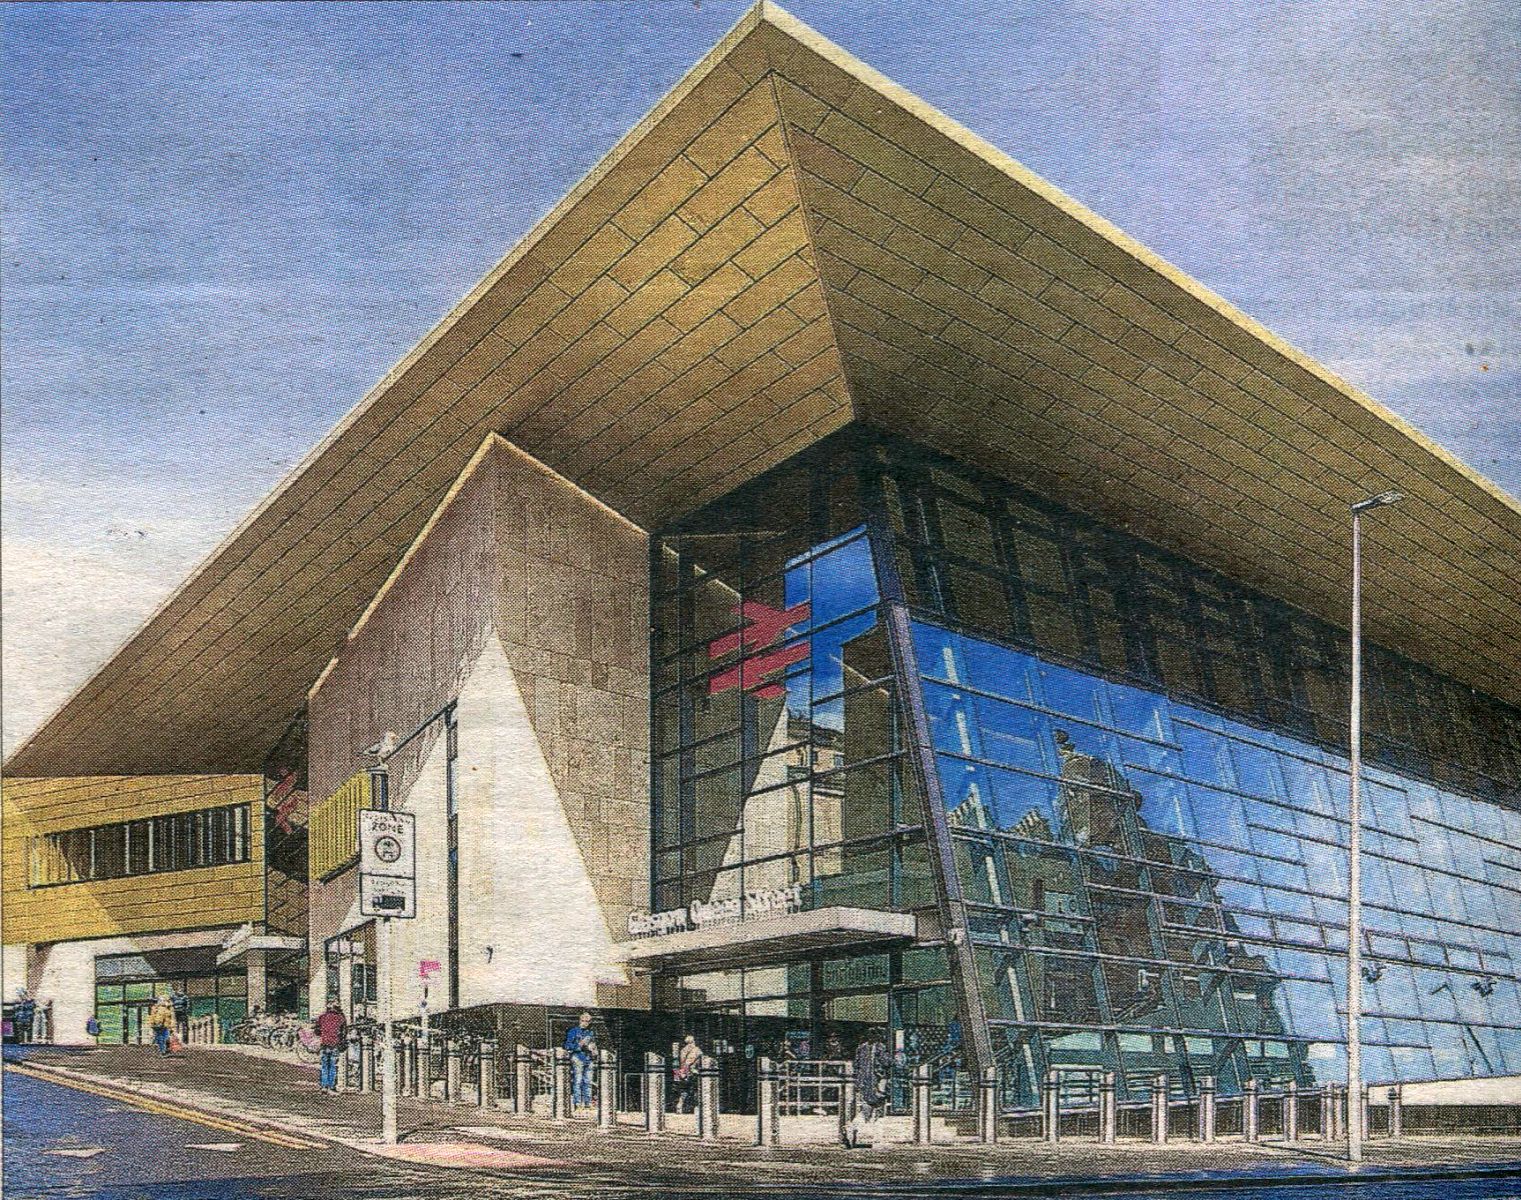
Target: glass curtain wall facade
[{"x": 1139, "y": 768}]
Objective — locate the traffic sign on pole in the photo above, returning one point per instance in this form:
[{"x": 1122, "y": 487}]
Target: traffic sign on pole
[{"x": 387, "y": 864}]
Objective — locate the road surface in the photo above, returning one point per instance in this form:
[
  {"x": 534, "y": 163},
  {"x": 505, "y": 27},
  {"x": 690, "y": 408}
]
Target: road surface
[{"x": 64, "y": 1142}]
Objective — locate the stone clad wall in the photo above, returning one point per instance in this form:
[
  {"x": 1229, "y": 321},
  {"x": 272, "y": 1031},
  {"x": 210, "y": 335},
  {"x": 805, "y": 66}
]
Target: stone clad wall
[
  {"x": 526, "y": 601},
  {"x": 573, "y": 614}
]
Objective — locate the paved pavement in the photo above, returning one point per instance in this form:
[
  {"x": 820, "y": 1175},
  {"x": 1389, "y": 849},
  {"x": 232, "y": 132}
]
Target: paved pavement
[{"x": 219, "y": 1123}]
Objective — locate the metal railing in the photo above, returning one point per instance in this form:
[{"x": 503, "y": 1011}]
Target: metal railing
[{"x": 812, "y": 1086}]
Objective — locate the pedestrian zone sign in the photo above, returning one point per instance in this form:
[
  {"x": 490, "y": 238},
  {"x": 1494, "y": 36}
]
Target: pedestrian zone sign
[{"x": 387, "y": 864}]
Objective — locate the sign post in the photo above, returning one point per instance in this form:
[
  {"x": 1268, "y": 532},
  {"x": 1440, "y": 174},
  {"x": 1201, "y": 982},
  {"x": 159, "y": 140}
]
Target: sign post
[{"x": 387, "y": 892}]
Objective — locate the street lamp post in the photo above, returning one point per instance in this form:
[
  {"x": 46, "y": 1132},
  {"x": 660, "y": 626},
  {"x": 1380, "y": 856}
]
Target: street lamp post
[{"x": 1354, "y": 870}]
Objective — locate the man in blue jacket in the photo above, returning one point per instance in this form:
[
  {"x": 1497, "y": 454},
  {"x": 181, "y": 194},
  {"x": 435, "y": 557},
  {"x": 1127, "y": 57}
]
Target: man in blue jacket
[{"x": 581, "y": 1042}]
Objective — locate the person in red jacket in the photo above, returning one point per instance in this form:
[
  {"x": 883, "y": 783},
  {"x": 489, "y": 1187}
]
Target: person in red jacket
[{"x": 331, "y": 1028}]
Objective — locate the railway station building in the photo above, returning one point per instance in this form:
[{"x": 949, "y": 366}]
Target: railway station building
[{"x": 825, "y": 580}]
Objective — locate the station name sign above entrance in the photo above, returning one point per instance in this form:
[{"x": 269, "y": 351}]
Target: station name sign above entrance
[{"x": 702, "y": 914}]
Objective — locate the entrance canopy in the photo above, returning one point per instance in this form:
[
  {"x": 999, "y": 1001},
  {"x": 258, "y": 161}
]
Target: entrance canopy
[
  {"x": 789, "y": 242},
  {"x": 769, "y": 940}
]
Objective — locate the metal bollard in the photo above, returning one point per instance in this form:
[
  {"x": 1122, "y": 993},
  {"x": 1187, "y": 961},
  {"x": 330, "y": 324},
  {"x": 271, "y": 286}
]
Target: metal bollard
[
  {"x": 607, "y": 1089},
  {"x": 1051, "y": 1106},
  {"x": 1109, "y": 1111},
  {"x": 1249, "y": 1114},
  {"x": 1327, "y": 1119},
  {"x": 559, "y": 1093},
  {"x": 923, "y": 1129},
  {"x": 485, "y": 1080},
  {"x": 366, "y": 1061},
  {"x": 767, "y": 1107},
  {"x": 425, "y": 1065},
  {"x": 847, "y": 1101},
  {"x": 1396, "y": 1110},
  {"x": 522, "y": 1080},
  {"x": 403, "y": 1063},
  {"x": 707, "y": 1098},
  {"x": 1207, "y": 1108},
  {"x": 347, "y": 1060},
  {"x": 1291, "y": 1112},
  {"x": 987, "y": 1106},
  {"x": 654, "y": 1093},
  {"x": 453, "y": 1054},
  {"x": 1159, "y": 1109}
]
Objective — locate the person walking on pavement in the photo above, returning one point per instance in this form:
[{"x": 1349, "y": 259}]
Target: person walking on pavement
[
  {"x": 872, "y": 1068},
  {"x": 331, "y": 1029},
  {"x": 25, "y": 1013},
  {"x": 161, "y": 1021},
  {"x": 181, "y": 1005},
  {"x": 581, "y": 1042},
  {"x": 685, "y": 1074}
]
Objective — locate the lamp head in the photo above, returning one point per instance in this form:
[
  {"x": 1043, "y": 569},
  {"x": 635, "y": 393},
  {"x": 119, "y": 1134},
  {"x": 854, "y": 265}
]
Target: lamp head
[{"x": 1378, "y": 501}]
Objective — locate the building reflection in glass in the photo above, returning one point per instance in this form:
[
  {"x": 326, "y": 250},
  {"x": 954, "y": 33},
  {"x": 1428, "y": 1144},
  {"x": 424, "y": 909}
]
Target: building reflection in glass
[{"x": 1155, "y": 888}]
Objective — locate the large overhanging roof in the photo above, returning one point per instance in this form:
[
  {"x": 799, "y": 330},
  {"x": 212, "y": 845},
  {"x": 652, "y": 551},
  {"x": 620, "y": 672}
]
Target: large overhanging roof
[{"x": 788, "y": 242}]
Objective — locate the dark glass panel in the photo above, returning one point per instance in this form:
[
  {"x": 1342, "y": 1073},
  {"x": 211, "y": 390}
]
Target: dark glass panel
[{"x": 854, "y": 876}]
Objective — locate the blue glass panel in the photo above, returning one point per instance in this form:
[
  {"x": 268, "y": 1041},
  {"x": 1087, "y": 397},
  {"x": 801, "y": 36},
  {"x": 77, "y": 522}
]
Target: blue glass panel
[
  {"x": 1312, "y": 1009},
  {"x": 1309, "y": 786},
  {"x": 952, "y": 727},
  {"x": 982, "y": 797},
  {"x": 1452, "y": 1054},
  {"x": 1389, "y": 809},
  {"x": 1397, "y": 991},
  {"x": 844, "y": 581},
  {"x": 1072, "y": 693},
  {"x": 1326, "y": 866},
  {"x": 1166, "y": 807},
  {"x": 1137, "y": 711},
  {"x": 993, "y": 669},
  {"x": 1300, "y": 964},
  {"x": 1218, "y": 818},
  {"x": 1378, "y": 1064},
  {"x": 1016, "y": 736},
  {"x": 1509, "y": 1042},
  {"x": 1257, "y": 771},
  {"x": 1412, "y": 1063},
  {"x": 1278, "y": 878},
  {"x": 1448, "y": 895}
]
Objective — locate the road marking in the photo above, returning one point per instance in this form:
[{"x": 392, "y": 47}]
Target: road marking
[
  {"x": 167, "y": 1108},
  {"x": 88, "y": 1152},
  {"x": 224, "y": 1147}
]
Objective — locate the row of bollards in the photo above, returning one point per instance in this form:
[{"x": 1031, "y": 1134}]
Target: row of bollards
[
  {"x": 423, "y": 1074},
  {"x": 1332, "y": 1110},
  {"x": 435, "y": 1067}
]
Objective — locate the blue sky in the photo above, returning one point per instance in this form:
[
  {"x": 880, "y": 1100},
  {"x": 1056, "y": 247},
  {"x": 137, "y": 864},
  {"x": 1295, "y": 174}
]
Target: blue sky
[{"x": 223, "y": 223}]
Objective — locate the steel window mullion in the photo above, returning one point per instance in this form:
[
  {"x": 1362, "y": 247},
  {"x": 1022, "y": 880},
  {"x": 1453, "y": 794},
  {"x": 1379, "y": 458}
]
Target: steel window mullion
[{"x": 920, "y": 744}]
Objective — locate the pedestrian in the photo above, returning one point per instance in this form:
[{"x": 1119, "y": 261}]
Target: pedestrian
[
  {"x": 872, "y": 1070},
  {"x": 685, "y": 1074},
  {"x": 92, "y": 1028},
  {"x": 581, "y": 1042},
  {"x": 181, "y": 1005},
  {"x": 161, "y": 1020},
  {"x": 331, "y": 1031},
  {"x": 25, "y": 1013}
]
